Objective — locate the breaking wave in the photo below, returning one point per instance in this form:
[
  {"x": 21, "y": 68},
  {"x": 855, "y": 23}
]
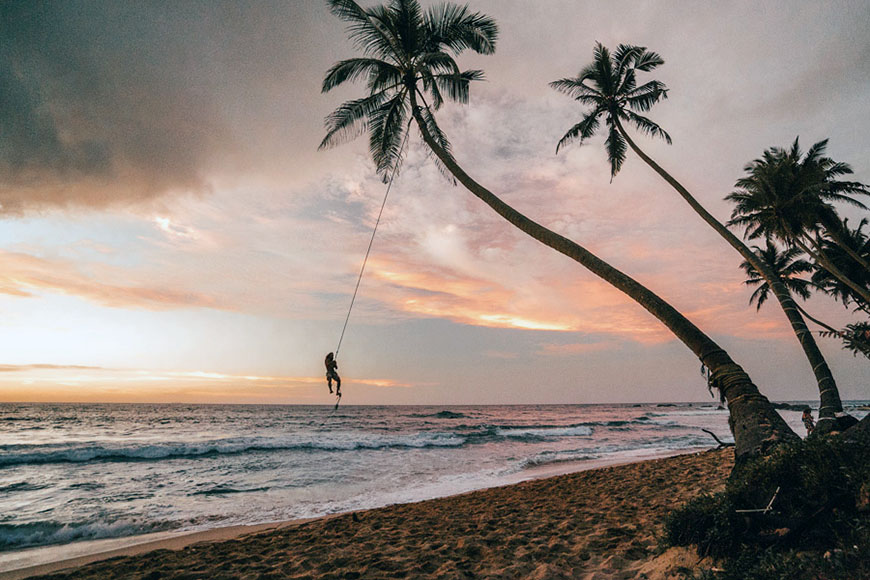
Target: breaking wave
[{"x": 41, "y": 533}]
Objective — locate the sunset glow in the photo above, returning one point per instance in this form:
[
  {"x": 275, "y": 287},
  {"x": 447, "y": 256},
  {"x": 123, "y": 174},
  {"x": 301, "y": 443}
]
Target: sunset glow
[{"x": 174, "y": 234}]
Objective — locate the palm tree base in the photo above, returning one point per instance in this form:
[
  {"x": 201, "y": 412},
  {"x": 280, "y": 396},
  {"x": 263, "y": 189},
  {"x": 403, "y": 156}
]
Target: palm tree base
[{"x": 833, "y": 425}]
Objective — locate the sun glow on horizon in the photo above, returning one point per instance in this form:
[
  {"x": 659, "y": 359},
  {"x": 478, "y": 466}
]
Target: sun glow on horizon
[{"x": 71, "y": 383}]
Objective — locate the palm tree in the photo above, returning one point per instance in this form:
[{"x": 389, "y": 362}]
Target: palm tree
[
  {"x": 409, "y": 68},
  {"x": 789, "y": 198},
  {"x": 609, "y": 87},
  {"x": 788, "y": 266},
  {"x": 858, "y": 243}
]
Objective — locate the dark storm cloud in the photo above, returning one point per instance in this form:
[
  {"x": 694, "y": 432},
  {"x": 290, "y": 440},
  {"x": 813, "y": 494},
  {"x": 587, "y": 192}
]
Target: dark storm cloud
[{"x": 114, "y": 102}]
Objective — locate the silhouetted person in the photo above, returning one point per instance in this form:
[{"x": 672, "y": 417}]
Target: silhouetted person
[
  {"x": 332, "y": 374},
  {"x": 807, "y": 418}
]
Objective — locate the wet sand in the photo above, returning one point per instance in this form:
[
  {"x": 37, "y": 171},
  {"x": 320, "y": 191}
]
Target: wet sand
[{"x": 594, "y": 525}]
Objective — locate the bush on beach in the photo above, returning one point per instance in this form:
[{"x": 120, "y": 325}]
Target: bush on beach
[{"x": 818, "y": 526}]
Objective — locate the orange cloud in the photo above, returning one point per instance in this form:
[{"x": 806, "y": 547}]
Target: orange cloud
[
  {"x": 561, "y": 304},
  {"x": 576, "y": 348},
  {"x": 23, "y": 275}
]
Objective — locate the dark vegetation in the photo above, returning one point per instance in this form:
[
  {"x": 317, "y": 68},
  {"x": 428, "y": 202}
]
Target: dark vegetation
[{"x": 818, "y": 526}]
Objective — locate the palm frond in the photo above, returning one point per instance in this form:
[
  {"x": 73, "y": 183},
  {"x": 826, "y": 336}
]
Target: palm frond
[
  {"x": 408, "y": 19},
  {"x": 348, "y": 10},
  {"x": 616, "y": 148},
  {"x": 644, "y": 97},
  {"x": 456, "y": 87},
  {"x": 759, "y": 297},
  {"x": 387, "y": 126},
  {"x": 350, "y": 119},
  {"x": 625, "y": 55},
  {"x": 647, "y": 126},
  {"x": 814, "y": 153},
  {"x": 440, "y": 139},
  {"x": 354, "y": 68},
  {"x": 431, "y": 87},
  {"x": 458, "y": 29},
  {"x": 368, "y": 28},
  {"x": 437, "y": 62},
  {"x": 648, "y": 61},
  {"x": 582, "y": 130},
  {"x": 603, "y": 69},
  {"x": 575, "y": 88},
  {"x": 846, "y": 199}
]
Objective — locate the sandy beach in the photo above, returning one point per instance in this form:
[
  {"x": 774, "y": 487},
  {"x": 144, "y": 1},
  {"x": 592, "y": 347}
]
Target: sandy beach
[{"x": 596, "y": 525}]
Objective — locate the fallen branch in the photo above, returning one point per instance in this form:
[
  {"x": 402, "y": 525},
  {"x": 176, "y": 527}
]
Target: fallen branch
[{"x": 721, "y": 443}]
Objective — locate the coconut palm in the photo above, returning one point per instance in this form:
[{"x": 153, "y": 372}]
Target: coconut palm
[
  {"x": 859, "y": 243},
  {"x": 609, "y": 87},
  {"x": 409, "y": 70},
  {"x": 787, "y": 195},
  {"x": 788, "y": 266}
]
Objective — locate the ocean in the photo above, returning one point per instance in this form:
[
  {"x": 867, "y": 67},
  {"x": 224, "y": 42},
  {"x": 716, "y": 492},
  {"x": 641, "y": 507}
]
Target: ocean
[{"x": 74, "y": 473}]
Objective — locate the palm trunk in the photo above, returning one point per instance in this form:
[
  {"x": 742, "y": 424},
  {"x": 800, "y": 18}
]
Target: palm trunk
[
  {"x": 754, "y": 422},
  {"x": 819, "y": 256},
  {"x": 812, "y": 318},
  {"x": 829, "y": 396}
]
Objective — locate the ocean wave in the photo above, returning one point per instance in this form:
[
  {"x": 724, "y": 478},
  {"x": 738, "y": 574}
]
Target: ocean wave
[
  {"x": 42, "y": 533},
  {"x": 549, "y": 431},
  {"x": 226, "y": 490},
  {"x": 553, "y": 457},
  {"x": 82, "y": 453},
  {"x": 439, "y": 415},
  {"x": 22, "y": 486}
]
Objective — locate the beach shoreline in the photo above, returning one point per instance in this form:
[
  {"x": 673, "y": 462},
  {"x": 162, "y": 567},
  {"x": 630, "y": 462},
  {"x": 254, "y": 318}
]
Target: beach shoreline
[{"x": 716, "y": 462}]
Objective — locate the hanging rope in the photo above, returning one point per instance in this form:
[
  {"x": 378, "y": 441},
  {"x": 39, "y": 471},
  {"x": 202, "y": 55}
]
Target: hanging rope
[{"x": 372, "y": 240}]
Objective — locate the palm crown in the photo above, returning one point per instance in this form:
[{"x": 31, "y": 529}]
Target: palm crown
[
  {"x": 859, "y": 241},
  {"x": 787, "y": 266},
  {"x": 407, "y": 51},
  {"x": 786, "y": 197},
  {"x": 609, "y": 86}
]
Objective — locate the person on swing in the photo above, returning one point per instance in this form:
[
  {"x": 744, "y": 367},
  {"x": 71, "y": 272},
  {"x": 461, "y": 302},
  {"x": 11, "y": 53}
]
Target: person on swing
[{"x": 332, "y": 374}]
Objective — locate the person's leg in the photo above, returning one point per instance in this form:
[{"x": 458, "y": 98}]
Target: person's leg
[{"x": 337, "y": 385}]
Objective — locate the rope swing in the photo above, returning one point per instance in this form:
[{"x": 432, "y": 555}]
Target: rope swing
[
  {"x": 372, "y": 240},
  {"x": 368, "y": 251}
]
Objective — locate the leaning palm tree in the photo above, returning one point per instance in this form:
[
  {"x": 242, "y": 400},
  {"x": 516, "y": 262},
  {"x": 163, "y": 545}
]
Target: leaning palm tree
[
  {"x": 788, "y": 195},
  {"x": 409, "y": 69},
  {"x": 609, "y": 87}
]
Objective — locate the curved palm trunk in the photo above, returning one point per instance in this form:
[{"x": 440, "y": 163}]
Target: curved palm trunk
[
  {"x": 812, "y": 318},
  {"x": 754, "y": 422},
  {"x": 830, "y": 405},
  {"x": 819, "y": 256}
]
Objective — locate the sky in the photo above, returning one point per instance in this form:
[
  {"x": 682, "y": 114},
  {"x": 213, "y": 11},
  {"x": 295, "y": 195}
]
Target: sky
[{"x": 169, "y": 231}]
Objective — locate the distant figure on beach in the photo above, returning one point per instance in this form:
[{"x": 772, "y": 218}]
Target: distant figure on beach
[
  {"x": 332, "y": 374},
  {"x": 807, "y": 418}
]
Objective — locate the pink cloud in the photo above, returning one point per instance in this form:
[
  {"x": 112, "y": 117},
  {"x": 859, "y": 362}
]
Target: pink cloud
[{"x": 24, "y": 275}]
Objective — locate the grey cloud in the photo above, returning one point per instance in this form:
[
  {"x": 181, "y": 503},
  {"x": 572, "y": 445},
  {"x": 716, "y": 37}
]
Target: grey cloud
[{"x": 107, "y": 103}]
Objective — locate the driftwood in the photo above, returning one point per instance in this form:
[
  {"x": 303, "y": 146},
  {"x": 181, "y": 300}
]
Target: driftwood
[{"x": 721, "y": 443}]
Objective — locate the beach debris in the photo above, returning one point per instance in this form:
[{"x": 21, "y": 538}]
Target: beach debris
[
  {"x": 764, "y": 510},
  {"x": 722, "y": 444}
]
